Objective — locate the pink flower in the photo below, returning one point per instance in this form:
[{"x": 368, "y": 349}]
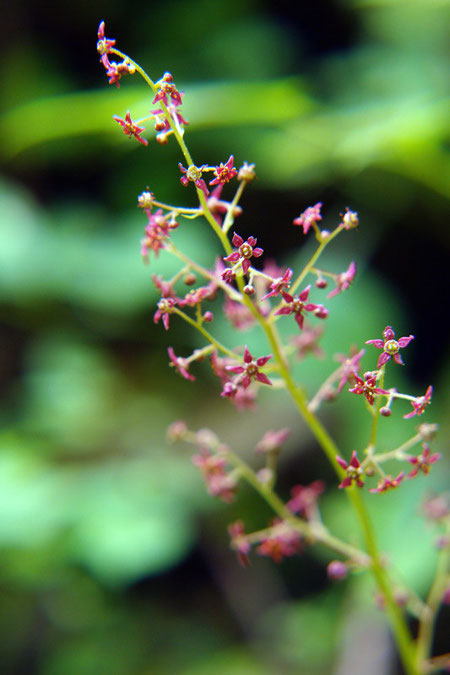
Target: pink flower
[
  {"x": 279, "y": 284},
  {"x": 224, "y": 172},
  {"x": 250, "y": 370},
  {"x": 423, "y": 461},
  {"x": 104, "y": 44},
  {"x": 181, "y": 365},
  {"x": 167, "y": 88},
  {"x": 166, "y": 307},
  {"x": 390, "y": 346},
  {"x": 218, "y": 482},
  {"x": 310, "y": 216},
  {"x": 193, "y": 174},
  {"x": 282, "y": 542},
  {"x": 388, "y": 483},
  {"x": 307, "y": 343},
  {"x": 420, "y": 403},
  {"x": 239, "y": 542},
  {"x": 304, "y": 498},
  {"x": 367, "y": 387},
  {"x": 238, "y": 314},
  {"x": 157, "y": 232},
  {"x": 353, "y": 469},
  {"x": 350, "y": 366},
  {"x": 130, "y": 128},
  {"x": 162, "y": 126},
  {"x": 272, "y": 440},
  {"x": 350, "y": 219},
  {"x": 344, "y": 280},
  {"x": 244, "y": 252},
  {"x": 297, "y": 305}
]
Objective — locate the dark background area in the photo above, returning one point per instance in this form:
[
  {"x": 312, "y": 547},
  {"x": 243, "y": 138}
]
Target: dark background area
[{"x": 112, "y": 557}]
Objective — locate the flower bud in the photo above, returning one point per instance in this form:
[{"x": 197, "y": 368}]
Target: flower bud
[
  {"x": 385, "y": 411},
  {"x": 350, "y": 219},
  {"x": 208, "y": 317},
  {"x": 176, "y": 431},
  {"x": 249, "y": 290},
  {"x": 321, "y": 283},
  {"x": 247, "y": 172},
  {"x": 337, "y": 570},
  {"x": 189, "y": 279},
  {"x": 145, "y": 199}
]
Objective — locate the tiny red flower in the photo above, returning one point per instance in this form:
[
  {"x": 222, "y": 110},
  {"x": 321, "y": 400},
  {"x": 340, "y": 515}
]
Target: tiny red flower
[
  {"x": 423, "y": 461},
  {"x": 250, "y": 370},
  {"x": 279, "y": 284},
  {"x": 272, "y": 440},
  {"x": 310, "y": 216},
  {"x": 353, "y": 470},
  {"x": 224, "y": 172},
  {"x": 180, "y": 364},
  {"x": 165, "y": 309},
  {"x": 304, "y": 498},
  {"x": 244, "y": 252},
  {"x": 218, "y": 482},
  {"x": 298, "y": 304},
  {"x": 104, "y": 44},
  {"x": 351, "y": 365},
  {"x": 344, "y": 280},
  {"x": 194, "y": 174},
  {"x": 157, "y": 233},
  {"x": 167, "y": 88},
  {"x": 388, "y": 483},
  {"x": 130, "y": 128},
  {"x": 390, "y": 346},
  {"x": 367, "y": 387},
  {"x": 239, "y": 542},
  {"x": 420, "y": 403},
  {"x": 282, "y": 542}
]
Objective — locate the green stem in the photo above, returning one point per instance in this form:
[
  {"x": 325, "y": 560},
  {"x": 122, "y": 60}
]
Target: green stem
[
  {"x": 401, "y": 633},
  {"x": 316, "y": 531},
  {"x": 212, "y": 340},
  {"x": 429, "y": 612}
]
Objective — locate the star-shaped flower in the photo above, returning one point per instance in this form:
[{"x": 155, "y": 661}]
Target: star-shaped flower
[
  {"x": 130, "y": 128},
  {"x": 297, "y": 305},
  {"x": 390, "y": 346},
  {"x": 310, "y": 216},
  {"x": 388, "y": 483},
  {"x": 245, "y": 251},
  {"x": 353, "y": 469},
  {"x": 250, "y": 370},
  {"x": 367, "y": 387},
  {"x": 423, "y": 461},
  {"x": 420, "y": 403},
  {"x": 224, "y": 172}
]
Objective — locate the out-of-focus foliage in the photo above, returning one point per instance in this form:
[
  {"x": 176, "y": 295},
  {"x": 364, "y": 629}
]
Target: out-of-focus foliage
[{"x": 113, "y": 558}]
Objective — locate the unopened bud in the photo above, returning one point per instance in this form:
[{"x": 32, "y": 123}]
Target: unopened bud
[
  {"x": 428, "y": 431},
  {"x": 247, "y": 172},
  {"x": 176, "y": 430},
  {"x": 337, "y": 570},
  {"x": 208, "y": 317},
  {"x": 249, "y": 290},
  {"x": 385, "y": 411},
  {"x": 321, "y": 283},
  {"x": 189, "y": 279}
]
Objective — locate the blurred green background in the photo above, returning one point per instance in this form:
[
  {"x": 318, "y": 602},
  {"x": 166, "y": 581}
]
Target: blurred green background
[{"x": 112, "y": 557}]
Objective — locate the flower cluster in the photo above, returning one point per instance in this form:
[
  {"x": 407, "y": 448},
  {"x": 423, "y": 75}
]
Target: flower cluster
[{"x": 251, "y": 296}]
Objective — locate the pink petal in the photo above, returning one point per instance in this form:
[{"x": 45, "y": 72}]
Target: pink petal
[
  {"x": 262, "y": 378},
  {"x": 237, "y": 240}
]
